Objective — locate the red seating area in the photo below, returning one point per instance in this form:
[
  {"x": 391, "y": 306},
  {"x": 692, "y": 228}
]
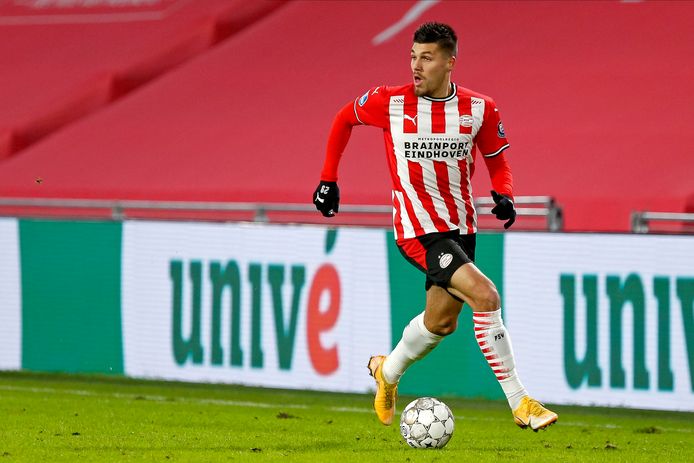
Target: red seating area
[
  {"x": 61, "y": 62},
  {"x": 595, "y": 96}
]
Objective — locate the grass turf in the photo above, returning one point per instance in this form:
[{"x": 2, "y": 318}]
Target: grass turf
[{"x": 66, "y": 418}]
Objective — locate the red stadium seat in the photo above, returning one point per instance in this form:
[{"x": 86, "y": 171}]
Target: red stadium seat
[{"x": 596, "y": 100}]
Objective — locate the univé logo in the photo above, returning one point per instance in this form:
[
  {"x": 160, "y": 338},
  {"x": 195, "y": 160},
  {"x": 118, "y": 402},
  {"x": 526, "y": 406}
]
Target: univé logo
[
  {"x": 627, "y": 292},
  {"x": 223, "y": 287}
]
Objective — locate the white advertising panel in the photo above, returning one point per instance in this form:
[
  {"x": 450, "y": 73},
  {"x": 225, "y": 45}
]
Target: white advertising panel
[
  {"x": 602, "y": 319},
  {"x": 279, "y": 306},
  {"x": 10, "y": 297}
]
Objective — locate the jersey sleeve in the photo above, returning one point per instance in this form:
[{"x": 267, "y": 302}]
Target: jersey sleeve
[
  {"x": 500, "y": 174},
  {"x": 491, "y": 138},
  {"x": 368, "y": 109},
  {"x": 371, "y": 107},
  {"x": 340, "y": 132}
]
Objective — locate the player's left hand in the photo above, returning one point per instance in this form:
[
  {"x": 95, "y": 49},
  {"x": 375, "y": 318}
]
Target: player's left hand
[{"x": 504, "y": 209}]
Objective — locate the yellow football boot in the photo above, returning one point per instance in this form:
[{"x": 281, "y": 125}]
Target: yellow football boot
[
  {"x": 532, "y": 413},
  {"x": 386, "y": 394}
]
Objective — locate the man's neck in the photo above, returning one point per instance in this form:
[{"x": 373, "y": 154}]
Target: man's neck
[{"x": 443, "y": 92}]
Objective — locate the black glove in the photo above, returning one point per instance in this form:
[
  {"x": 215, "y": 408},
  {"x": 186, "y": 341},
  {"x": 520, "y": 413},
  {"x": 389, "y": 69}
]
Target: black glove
[
  {"x": 327, "y": 198},
  {"x": 504, "y": 209}
]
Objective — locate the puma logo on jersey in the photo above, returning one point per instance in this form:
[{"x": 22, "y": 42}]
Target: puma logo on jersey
[{"x": 411, "y": 119}]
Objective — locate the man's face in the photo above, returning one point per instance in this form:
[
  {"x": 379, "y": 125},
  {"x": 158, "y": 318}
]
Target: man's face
[{"x": 431, "y": 68}]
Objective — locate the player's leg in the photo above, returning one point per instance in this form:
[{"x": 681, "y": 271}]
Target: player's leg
[
  {"x": 423, "y": 333},
  {"x": 471, "y": 285},
  {"x": 420, "y": 336},
  {"x": 441, "y": 312}
]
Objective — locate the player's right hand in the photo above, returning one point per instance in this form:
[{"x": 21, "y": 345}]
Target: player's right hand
[{"x": 327, "y": 198}]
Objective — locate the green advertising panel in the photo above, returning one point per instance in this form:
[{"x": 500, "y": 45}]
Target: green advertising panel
[{"x": 71, "y": 318}]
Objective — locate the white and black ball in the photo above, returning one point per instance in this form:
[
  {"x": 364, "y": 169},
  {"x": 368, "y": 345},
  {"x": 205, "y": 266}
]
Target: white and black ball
[{"x": 427, "y": 423}]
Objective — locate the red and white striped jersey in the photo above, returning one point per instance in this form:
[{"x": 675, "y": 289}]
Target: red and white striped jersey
[{"x": 431, "y": 145}]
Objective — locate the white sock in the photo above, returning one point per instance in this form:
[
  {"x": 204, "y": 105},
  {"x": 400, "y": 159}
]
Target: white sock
[
  {"x": 416, "y": 342},
  {"x": 495, "y": 343}
]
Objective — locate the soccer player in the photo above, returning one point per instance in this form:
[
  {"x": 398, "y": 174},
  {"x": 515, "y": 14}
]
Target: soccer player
[{"x": 433, "y": 129}]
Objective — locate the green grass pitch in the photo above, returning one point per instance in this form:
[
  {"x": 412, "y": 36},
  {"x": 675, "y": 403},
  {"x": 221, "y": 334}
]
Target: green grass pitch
[{"x": 60, "y": 418}]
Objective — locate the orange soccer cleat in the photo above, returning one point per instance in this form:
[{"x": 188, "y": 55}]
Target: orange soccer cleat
[
  {"x": 386, "y": 393},
  {"x": 532, "y": 413}
]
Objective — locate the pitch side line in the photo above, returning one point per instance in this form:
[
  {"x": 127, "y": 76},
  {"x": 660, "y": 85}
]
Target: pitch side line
[{"x": 150, "y": 397}]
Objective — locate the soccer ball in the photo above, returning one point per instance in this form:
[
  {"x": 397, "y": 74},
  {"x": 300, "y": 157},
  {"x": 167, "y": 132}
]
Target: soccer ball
[{"x": 427, "y": 423}]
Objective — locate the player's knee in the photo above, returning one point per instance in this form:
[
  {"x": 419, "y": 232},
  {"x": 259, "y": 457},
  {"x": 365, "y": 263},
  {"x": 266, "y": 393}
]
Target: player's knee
[
  {"x": 443, "y": 326},
  {"x": 486, "y": 297}
]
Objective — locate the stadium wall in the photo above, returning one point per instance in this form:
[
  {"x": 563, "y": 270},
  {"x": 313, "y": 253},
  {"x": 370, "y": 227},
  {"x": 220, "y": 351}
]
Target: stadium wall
[{"x": 596, "y": 319}]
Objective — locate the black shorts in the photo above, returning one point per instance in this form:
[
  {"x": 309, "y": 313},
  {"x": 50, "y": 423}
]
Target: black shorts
[{"x": 439, "y": 255}]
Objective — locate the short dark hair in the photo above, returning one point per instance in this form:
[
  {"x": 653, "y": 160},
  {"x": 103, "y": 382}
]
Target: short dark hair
[{"x": 441, "y": 34}]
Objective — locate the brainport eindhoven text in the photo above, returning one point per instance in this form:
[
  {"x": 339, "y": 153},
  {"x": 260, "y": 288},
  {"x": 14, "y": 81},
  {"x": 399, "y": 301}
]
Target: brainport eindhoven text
[{"x": 435, "y": 150}]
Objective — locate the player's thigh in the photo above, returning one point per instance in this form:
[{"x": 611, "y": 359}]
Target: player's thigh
[
  {"x": 441, "y": 312},
  {"x": 474, "y": 287}
]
